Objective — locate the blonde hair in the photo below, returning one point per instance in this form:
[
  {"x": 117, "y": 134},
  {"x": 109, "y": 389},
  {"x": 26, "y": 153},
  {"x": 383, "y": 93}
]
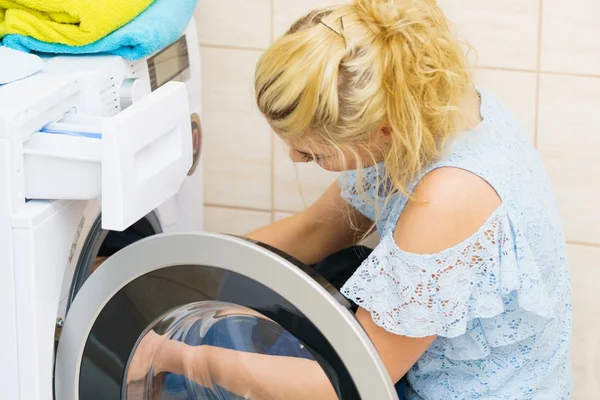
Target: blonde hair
[{"x": 345, "y": 72}]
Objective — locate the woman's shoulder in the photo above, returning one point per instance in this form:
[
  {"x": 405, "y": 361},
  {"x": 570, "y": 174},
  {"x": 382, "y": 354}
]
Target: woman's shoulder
[{"x": 447, "y": 206}]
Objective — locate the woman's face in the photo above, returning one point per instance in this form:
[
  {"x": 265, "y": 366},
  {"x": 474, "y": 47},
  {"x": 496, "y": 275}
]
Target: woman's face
[
  {"x": 326, "y": 158},
  {"x": 330, "y": 158}
]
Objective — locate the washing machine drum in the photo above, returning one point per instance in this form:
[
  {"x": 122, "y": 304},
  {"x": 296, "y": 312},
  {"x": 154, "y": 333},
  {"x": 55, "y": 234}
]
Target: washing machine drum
[{"x": 189, "y": 290}]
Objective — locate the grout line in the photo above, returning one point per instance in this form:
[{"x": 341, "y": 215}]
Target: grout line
[
  {"x": 538, "y": 74},
  {"x": 273, "y": 211},
  {"x": 571, "y": 74},
  {"x": 536, "y": 121},
  {"x": 287, "y": 211},
  {"x": 231, "y": 47},
  {"x": 272, "y": 176},
  {"x": 533, "y": 71},
  {"x": 508, "y": 69},
  {"x": 586, "y": 244},
  {"x": 244, "y": 208},
  {"x": 483, "y": 67},
  {"x": 272, "y": 20},
  {"x": 237, "y": 208}
]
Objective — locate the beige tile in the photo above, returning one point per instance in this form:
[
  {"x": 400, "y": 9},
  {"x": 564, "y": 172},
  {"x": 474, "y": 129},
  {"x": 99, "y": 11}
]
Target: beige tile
[
  {"x": 237, "y": 143},
  {"x": 279, "y": 215},
  {"x": 516, "y": 89},
  {"x": 372, "y": 240},
  {"x": 504, "y": 33},
  {"x": 570, "y": 36},
  {"x": 235, "y": 222},
  {"x": 297, "y": 185},
  {"x": 241, "y": 23},
  {"x": 286, "y": 12},
  {"x": 568, "y": 140},
  {"x": 585, "y": 276}
]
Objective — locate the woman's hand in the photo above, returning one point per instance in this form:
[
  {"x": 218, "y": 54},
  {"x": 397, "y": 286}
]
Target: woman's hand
[
  {"x": 196, "y": 365},
  {"x": 163, "y": 355},
  {"x": 145, "y": 355}
]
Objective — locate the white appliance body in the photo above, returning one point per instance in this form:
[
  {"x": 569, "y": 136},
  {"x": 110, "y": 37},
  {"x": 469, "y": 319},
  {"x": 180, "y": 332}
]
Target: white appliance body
[{"x": 54, "y": 186}]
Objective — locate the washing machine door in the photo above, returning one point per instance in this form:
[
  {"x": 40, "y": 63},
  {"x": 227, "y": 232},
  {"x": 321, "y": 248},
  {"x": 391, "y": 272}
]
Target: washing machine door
[{"x": 215, "y": 290}]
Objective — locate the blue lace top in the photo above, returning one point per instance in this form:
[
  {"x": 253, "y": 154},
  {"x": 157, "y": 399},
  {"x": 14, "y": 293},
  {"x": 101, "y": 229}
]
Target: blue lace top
[{"x": 500, "y": 301}]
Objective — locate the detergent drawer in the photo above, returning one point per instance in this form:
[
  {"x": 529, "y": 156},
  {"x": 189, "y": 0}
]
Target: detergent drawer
[{"x": 134, "y": 161}]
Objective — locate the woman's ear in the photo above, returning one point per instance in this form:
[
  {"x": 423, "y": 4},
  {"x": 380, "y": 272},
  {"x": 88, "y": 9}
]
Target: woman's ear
[{"x": 384, "y": 133}]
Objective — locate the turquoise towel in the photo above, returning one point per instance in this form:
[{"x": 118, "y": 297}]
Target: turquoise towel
[{"x": 157, "y": 27}]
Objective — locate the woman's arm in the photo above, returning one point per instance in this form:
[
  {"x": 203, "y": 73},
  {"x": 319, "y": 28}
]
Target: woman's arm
[
  {"x": 317, "y": 232},
  {"x": 253, "y": 376},
  {"x": 265, "y": 377}
]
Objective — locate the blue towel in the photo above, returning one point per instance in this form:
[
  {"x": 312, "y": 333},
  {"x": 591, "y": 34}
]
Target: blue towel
[{"x": 157, "y": 27}]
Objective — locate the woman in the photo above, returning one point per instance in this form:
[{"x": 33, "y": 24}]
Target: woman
[{"x": 467, "y": 294}]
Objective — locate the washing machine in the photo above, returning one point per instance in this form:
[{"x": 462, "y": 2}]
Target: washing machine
[
  {"x": 100, "y": 245},
  {"x": 96, "y": 152}
]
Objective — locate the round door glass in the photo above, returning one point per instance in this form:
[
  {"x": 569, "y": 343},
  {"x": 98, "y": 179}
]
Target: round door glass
[{"x": 168, "y": 361}]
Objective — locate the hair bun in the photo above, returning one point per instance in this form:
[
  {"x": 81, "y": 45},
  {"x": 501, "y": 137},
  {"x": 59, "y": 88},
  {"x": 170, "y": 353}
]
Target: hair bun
[{"x": 388, "y": 17}]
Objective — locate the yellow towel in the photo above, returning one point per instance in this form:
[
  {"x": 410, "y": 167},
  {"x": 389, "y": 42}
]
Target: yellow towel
[{"x": 71, "y": 22}]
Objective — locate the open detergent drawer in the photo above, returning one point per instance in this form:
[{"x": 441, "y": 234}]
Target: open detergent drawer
[{"x": 134, "y": 161}]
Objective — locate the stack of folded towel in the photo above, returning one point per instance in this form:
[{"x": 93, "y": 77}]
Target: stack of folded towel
[{"x": 130, "y": 28}]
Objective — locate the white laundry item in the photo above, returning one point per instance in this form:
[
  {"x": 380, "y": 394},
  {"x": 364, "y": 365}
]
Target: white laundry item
[{"x": 15, "y": 65}]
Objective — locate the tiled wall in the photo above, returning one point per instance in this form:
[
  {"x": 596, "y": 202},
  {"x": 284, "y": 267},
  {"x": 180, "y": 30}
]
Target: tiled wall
[{"x": 542, "y": 57}]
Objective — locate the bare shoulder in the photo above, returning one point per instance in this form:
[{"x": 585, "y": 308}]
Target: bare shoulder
[{"x": 448, "y": 206}]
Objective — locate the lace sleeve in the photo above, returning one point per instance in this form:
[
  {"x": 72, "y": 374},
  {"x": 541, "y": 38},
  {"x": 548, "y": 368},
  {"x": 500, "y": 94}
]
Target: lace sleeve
[
  {"x": 439, "y": 294},
  {"x": 363, "y": 201}
]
